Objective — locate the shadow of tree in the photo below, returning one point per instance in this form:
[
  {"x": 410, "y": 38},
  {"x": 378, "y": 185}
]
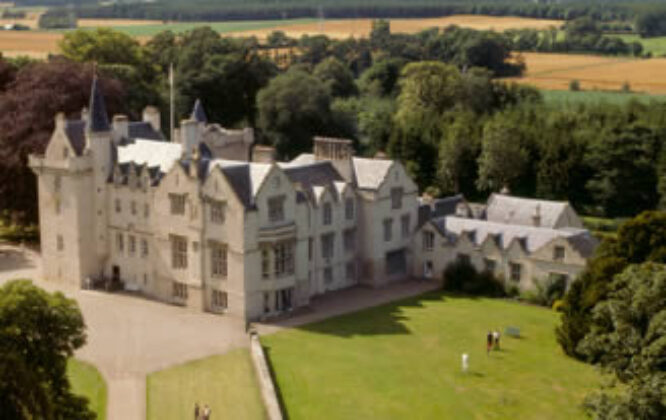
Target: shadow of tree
[{"x": 385, "y": 319}]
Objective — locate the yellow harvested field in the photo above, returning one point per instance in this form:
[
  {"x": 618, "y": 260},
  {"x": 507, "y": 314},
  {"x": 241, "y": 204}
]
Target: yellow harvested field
[
  {"x": 33, "y": 17},
  {"x": 34, "y": 44},
  {"x": 556, "y": 71},
  {"x": 345, "y": 28}
]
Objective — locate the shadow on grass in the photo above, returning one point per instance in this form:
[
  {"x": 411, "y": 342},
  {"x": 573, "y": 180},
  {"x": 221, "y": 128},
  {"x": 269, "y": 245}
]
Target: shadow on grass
[
  {"x": 385, "y": 319},
  {"x": 278, "y": 391}
]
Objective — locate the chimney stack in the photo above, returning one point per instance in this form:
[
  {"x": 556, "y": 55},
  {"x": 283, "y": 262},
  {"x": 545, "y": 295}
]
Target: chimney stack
[
  {"x": 190, "y": 136},
  {"x": 121, "y": 126},
  {"x": 339, "y": 151},
  {"x": 263, "y": 154}
]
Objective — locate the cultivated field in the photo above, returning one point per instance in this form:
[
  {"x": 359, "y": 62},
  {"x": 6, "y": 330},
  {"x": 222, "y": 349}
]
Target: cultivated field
[
  {"x": 40, "y": 44},
  {"x": 403, "y": 361},
  {"x": 556, "y": 71}
]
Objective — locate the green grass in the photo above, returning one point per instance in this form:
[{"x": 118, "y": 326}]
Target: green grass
[
  {"x": 566, "y": 97},
  {"x": 221, "y": 27},
  {"x": 402, "y": 361},
  {"x": 657, "y": 46},
  {"x": 227, "y": 383},
  {"x": 88, "y": 382}
]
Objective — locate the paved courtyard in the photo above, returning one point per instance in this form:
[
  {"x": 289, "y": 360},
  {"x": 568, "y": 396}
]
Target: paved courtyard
[{"x": 129, "y": 337}]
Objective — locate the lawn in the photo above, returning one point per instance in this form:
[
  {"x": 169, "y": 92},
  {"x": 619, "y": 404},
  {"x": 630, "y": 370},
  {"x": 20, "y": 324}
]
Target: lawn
[
  {"x": 88, "y": 382},
  {"x": 227, "y": 383},
  {"x": 402, "y": 360},
  {"x": 565, "y": 97}
]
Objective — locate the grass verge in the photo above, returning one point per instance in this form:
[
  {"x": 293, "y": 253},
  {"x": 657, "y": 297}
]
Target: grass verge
[{"x": 88, "y": 382}]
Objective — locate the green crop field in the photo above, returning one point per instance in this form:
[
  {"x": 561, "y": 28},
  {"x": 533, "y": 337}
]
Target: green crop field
[
  {"x": 565, "y": 97},
  {"x": 657, "y": 46},
  {"x": 221, "y": 27},
  {"x": 403, "y": 361},
  {"x": 88, "y": 382}
]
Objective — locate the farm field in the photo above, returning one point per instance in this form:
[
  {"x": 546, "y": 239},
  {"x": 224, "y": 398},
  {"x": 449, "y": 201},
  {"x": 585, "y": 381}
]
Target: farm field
[
  {"x": 657, "y": 46},
  {"x": 88, "y": 382},
  {"x": 402, "y": 360},
  {"x": 227, "y": 383},
  {"x": 556, "y": 71},
  {"x": 39, "y": 44},
  {"x": 567, "y": 97}
]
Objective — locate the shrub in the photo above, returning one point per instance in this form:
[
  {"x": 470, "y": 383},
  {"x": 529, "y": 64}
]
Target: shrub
[
  {"x": 558, "y": 305},
  {"x": 574, "y": 85},
  {"x": 461, "y": 276}
]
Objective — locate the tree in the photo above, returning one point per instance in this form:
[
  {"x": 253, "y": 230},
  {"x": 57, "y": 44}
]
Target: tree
[
  {"x": 642, "y": 239},
  {"x": 103, "y": 45},
  {"x": 628, "y": 338},
  {"x": 293, "y": 108},
  {"x": 39, "y": 331},
  {"x": 458, "y": 154},
  {"x": 381, "y": 78},
  {"x": 336, "y": 77},
  {"x": 27, "y": 111}
]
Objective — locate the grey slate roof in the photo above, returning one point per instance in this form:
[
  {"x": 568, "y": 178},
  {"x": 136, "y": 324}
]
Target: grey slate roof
[
  {"x": 159, "y": 154},
  {"x": 98, "y": 120},
  {"x": 370, "y": 173},
  {"x": 198, "y": 113},
  {"x": 447, "y": 206},
  {"x": 143, "y": 130},
  {"x": 317, "y": 174},
  {"x": 520, "y": 211},
  {"x": 245, "y": 178},
  {"x": 532, "y": 238},
  {"x": 584, "y": 243},
  {"x": 75, "y": 131}
]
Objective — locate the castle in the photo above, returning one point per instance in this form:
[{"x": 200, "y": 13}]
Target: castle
[{"x": 211, "y": 221}]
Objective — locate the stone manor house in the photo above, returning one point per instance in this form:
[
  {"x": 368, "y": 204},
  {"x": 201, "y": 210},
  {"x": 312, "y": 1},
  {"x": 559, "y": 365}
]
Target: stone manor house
[{"x": 211, "y": 221}]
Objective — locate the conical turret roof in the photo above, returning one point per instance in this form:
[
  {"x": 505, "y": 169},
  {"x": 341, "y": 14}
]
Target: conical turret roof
[{"x": 98, "y": 120}]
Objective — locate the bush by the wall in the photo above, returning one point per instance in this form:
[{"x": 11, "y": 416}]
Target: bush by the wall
[{"x": 461, "y": 276}]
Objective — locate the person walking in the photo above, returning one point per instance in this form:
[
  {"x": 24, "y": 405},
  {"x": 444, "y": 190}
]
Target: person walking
[
  {"x": 196, "y": 411},
  {"x": 489, "y": 342},
  {"x": 496, "y": 338},
  {"x": 206, "y": 413}
]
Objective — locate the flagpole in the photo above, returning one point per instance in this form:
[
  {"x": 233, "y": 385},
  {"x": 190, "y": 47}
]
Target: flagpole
[{"x": 171, "y": 103}]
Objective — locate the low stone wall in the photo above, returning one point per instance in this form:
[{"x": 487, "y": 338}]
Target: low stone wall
[{"x": 268, "y": 393}]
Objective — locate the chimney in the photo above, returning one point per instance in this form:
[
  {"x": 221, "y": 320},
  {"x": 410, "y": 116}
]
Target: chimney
[
  {"x": 60, "y": 121},
  {"x": 121, "y": 126},
  {"x": 263, "y": 154},
  {"x": 190, "y": 136},
  {"x": 152, "y": 115},
  {"x": 338, "y": 151},
  {"x": 536, "y": 218}
]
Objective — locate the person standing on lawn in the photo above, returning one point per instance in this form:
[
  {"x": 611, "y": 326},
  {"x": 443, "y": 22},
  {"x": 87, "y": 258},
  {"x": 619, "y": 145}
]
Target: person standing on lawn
[
  {"x": 496, "y": 338},
  {"x": 489, "y": 342}
]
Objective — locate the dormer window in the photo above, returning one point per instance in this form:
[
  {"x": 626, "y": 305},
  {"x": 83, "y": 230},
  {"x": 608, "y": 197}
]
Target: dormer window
[
  {"x": 276, "y": 209},
  {"x": 558, "y": 253},
  {"x": 327, "y": 214},
  {"x": 396, "y": 198}
]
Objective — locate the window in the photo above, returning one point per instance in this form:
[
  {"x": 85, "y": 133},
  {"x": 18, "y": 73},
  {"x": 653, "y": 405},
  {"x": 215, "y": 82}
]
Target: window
[
  {"x": 177, "y": 202},
  {"x": 388, "y": 229},
  {"x": 144, "y": 248},
  {"x": 146, "y": 210},
  {"x": 327, "y": 244},
  {"x": 349, "y": 209},
  {"x": 120, "y": 242},
  {"x": 217, "y": 212},
  {"x": 265, "y": 263},
  {"x": 57, "y": 183},
  {"x": 179, "y": 291},
  {"x": 178, "y": 251},
  {"x": 284, "y": 258},
  {"x": 349, "y": 240},
  {"x": 464, "y": 258},
  {"x": 60, "y": 243},
  {"x": 350, "y": 271},
  {"x": 267, "y": 302},
  {"x": 219, "y": 299},
  {"x": 133, "y": 207},
  {"x": 218, "y": 260},
  {"x": 132, "y": 244},
  {"x": 328, "y": 275},
  {"x": 428, "y": 240},
  {"x": 276, "y": 209},
  {"x": 516, "y": 271},
  {"x": 558, "y": 253},
  {"x": 396, "y": 198},
  {"x": 489, "y": 265},
  {"x": 404, "y": 226},
  {"x": 119, "y": 207},
  {"x": 327, "y": 214}
]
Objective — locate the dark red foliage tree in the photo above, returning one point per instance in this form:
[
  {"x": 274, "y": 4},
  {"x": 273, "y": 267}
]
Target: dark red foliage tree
[{"x": 27, "y": 118}]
